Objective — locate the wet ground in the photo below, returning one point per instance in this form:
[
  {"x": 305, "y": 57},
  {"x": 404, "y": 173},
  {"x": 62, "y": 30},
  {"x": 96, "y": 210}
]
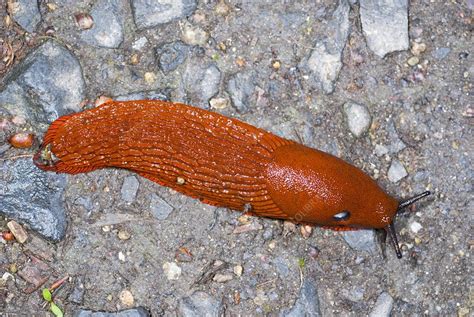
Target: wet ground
[{"x": 385, "y": 87}]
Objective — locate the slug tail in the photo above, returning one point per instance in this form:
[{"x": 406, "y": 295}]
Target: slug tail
[{"x": 54, "y": 128}]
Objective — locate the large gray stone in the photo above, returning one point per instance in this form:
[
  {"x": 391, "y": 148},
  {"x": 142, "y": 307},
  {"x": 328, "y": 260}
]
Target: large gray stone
[
  {"x": 385, "y": 25},
  {"x": 47, "y": 84},
  {"x": 29, "y": 195},
  {"x": 26, "y": 13},
  {"x": 149, "y": 13},
  {"x": 108, "y": 18},
  {"x": 324, "y": 62}
]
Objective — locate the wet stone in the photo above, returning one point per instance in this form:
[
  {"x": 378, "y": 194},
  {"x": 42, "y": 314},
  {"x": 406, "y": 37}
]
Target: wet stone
[
  {"x": 199, "y": 304},
  {"x": 107, "y": 31},
  {"x": 307, "y": 304},
  {"x": 361, "y": 240},
  {"x": 171, "y": 55},
  {"x": 396, "y": 172},
  {"x": 159, "y": 208},
  {"x": 358, "y": 118},
  {"x": 26, "y": 13},
  {"x": 324, "y": 63},
  {"x": 45, "y": 85},
  {"x": 385, "y": 25},
  {"x": 35, "y": 200},
  {"x": 148, "y": 13},
  {"x": 77, "y": 294},
  {"x": 383, "y": 306},
  {"x": 241, "y": 87},
  {"x": 133, "y": 312},
  {"x": 129, "y": 188}
]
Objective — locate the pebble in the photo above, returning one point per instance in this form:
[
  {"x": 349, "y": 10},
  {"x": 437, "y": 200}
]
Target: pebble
[
  {"x": 219, "y": 103},
  {"x": 418, "y": 48},
  {"x": 152, "y": 13},
  {"x": 383, "y": 306},
  {"x": 415, "y": 227},
  {"x": 222, "y": 278},
  {"x": 159, "y": 208},
  {"x": 77, "y": 294},
  {"x": 171, "y": 55},
  {"x": 42, "y": 203},
  {"x": 199, "y": 304},
  {"x": 358, "y": 118},
  {"x": 129, "y": 188},
  {"x": 121, "y": 256},
  {"x": 18, "y": 231},
  {"x": 397, "y": 171},
  {"x": 194, "y": 35},
  {"x": 108, "y": 30},
  {"x": 307, "y": 304},
  {"x": 172, "y": 270},
  {"x": 385, "y": 25},
  {"x": 47, "y": 83},
  {"x": 248, "y": 227},
  {"x": 412, "y": 61},
  {"x": 26, "y": 13},
  {"x": 84, "y": 21},
  {"x": 324, "y": 62},
  {"x": 241, "y": 86},
  {"x": 201, "y": 82},
  {"x": 441, "y": 53},
  {"x": 150, "y": 77},
  {"x": 139, "y": 44},
  {"x": 361, "y": 240},
  {"x": 380, "y": 150},
  {"x": 126, "y": 298},
  {"x": 238, "y": 270},
  {"x": 133, "y": 312},
  {"x": 124, "y": 235}
]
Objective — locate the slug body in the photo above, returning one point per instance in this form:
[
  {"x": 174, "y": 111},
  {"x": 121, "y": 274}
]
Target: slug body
[{"x": 219, "y": 160}]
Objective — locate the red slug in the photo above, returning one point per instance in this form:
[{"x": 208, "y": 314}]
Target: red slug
[{"x": 221, "y": 161}]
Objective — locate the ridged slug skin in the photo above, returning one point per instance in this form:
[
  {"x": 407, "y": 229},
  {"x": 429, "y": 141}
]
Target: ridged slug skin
[{"x": 219, "y": 160}]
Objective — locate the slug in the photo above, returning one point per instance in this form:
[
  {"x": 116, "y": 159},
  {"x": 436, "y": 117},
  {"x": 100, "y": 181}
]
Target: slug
[{"x": 220, "y": 161}]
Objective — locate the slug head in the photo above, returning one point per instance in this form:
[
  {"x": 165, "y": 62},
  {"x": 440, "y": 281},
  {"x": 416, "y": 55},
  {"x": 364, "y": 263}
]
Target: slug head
[{"x": 314, "y": 187}]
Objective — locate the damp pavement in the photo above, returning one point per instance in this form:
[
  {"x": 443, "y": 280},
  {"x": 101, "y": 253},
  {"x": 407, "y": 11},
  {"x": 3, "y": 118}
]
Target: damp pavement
[{"x": 385, "y": 85}]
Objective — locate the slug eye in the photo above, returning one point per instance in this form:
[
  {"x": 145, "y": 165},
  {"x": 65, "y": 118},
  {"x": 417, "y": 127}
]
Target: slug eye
[{"x": 343, "y": 215}]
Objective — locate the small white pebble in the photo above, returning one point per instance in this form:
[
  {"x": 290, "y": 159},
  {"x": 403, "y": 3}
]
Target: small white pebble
[
  {"x": 415, "y": 227},
  {"x": 172, "y": 270},
  {"x": 121, "y": 256}
]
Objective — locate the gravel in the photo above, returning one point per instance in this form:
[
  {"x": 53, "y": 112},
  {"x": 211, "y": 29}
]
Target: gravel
[
  {"x": 383, "y": 306},
  {"x": 396, "y": 172},
  {"x": 159, "y": 208},
  {"x": 152, "y": 13},
  {"x": 134, "y": 312},
  {"x": 130, "y": 188},
  {"x": 199, "y": 304},
  {"x": 26, "y": 13},
  {"x": 361, "y": 240},
  {"x": 358, "y": 118}
]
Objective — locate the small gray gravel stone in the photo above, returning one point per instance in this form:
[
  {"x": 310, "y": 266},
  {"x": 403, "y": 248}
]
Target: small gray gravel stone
[
  {"x": 397, "y": 171},
  {"x": 46, "y": 84},
  {"x": 361, "y": 240},
  {"x": 159, "y": 208},
  {"x": 385, "y": 25},
  {"x": 441, "y": 53},
  {"x": 147, "y": 13},
  {"x": 171, "y": 55},
  {"x": 383, "y": 306},
  {"x": 307, "y": 304},
  {"x": 358, "y": 118},
  {"x": 151, "y": 95},
  {"x": 134, "y": 312},
  {"x": 324, "y": 62},
  {"x": 108, "y": 24},
  {"x": 201, "y": 82},
  {"x": 130, "y": 188},
  {"x": 26, "y": 13},
  {"x": 77, "y": 294},
  {"x": 199, "y": 304},
  {"x": 241, "y": 87},
  {"x": 32, "y": 196}
]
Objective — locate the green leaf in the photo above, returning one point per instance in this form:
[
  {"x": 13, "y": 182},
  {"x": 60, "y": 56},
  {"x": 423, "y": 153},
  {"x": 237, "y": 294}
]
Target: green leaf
[
  {"x": 56, "y": 310},
  {"x": 47, "y": 295},
  {"x": 301, "y": 262}
]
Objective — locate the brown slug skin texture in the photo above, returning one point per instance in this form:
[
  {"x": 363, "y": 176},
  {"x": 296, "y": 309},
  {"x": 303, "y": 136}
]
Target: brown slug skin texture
[{"x": 219, "y": 160}]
